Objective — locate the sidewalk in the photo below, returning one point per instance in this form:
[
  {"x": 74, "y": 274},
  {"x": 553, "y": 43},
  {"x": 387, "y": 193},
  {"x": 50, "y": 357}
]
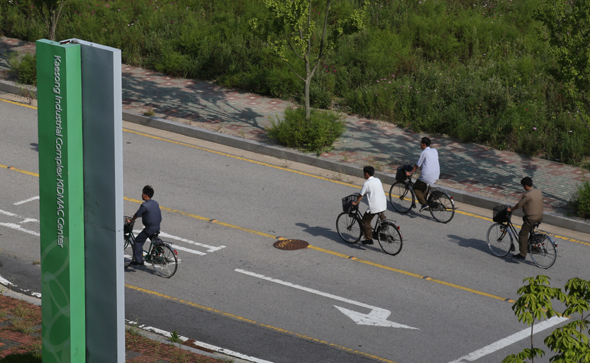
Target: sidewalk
[
  {"x": 20, "y": 332},
  {"x": 469, "y": 168}
]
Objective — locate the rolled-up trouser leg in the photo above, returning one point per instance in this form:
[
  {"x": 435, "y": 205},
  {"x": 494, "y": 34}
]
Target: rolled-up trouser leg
[
  {"x": 420, "y": 189},
  {"x": 366, "y": 225},
  {"x": 523, "y": 235}
]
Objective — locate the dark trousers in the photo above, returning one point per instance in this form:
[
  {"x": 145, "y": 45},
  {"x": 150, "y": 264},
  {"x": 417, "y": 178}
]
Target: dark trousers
[
  {"x": 420, "y": 191},
  {"x": 139, "y": 241},
  {"x": 366, "y": 224},
  {"x": 523, "y": 235}
]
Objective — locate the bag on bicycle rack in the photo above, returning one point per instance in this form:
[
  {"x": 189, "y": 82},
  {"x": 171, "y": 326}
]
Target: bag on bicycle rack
[
  {"x": 400, "y": 175},
  {"x": 501, "y": 214},
  {"x": 347, "y": 203}
]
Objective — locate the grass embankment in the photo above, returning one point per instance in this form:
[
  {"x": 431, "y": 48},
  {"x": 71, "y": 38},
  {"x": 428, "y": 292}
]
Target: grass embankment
[{"x": 476, "y": 70}]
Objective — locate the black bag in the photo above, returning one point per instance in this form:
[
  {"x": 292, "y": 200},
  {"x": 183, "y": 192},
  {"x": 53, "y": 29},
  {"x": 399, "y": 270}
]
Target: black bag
[
  {"x": 401, "y": 176},
  {"x": 347, "y": 203},
  {"x": 501, "y": 214}
]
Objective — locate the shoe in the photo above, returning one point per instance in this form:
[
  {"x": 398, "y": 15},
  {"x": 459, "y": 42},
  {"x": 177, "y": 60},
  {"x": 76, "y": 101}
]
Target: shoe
[
  {"x": 518, "y": 256},
  {"x": 424, "y": 207},
  {"x": 135, "y": 263},
  {"x": 367, "y": 242}
]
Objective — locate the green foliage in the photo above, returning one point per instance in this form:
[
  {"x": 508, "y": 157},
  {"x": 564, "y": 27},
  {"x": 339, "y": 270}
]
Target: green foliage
[
  {"x": 570, "y": 341},
  {"x": 479, "y": 73},
  {"x": 29, "y": 357},
  {"x": 24, "y": 68},
  {"x": 581, "y": 200},
  {"x": 316, "y": 135},
  {"x": 174, "y": 337}
]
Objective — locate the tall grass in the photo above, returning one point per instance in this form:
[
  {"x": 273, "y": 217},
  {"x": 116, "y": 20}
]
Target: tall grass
[{"x": 475, "y": 70}]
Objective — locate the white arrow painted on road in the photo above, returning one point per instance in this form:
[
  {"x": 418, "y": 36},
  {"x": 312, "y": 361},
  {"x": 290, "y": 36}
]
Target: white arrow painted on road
[{"x": 377, "y": 316}]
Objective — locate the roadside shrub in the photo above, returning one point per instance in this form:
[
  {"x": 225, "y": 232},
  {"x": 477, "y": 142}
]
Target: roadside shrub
[
  {"x": 316, "y": 135},
  {"x": 24, "y": 68},
  {"x": 581, "y": 201},
  {"x": 22, "y": 358}
]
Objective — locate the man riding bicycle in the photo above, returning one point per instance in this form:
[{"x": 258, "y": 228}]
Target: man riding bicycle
[
  {"x": 377, "y": 202},
  {"x": 532, "y": 207},
  {"x": 429, "y": 173},
  {"x": 151, "y": 217}
]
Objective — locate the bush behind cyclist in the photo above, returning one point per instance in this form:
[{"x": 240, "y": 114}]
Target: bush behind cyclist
[
  {"x": 151, "y": 217},
  {"x": 532, "y": 207}
]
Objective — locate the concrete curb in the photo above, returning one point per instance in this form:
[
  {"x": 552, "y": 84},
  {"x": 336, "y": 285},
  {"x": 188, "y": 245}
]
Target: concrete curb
[
  {"x": 575, "y": 224},
  {"x": 13, "y": 87}
]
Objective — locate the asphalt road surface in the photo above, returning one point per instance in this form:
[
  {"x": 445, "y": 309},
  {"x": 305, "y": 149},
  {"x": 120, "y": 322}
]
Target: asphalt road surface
[{"x": 442, "y": 299}]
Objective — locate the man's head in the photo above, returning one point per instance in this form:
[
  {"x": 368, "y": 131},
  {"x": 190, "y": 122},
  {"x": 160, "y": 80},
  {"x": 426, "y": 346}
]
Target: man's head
[
  {"x": 527, "y": 182},
  {"x": 424, "y": 142},
  {"x": 148, "y": 191},
  {"x": 368, "y": 170}
]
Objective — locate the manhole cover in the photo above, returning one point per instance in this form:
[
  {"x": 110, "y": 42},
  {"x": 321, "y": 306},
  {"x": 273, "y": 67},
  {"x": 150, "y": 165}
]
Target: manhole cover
[{"x": 290, "y": 244}]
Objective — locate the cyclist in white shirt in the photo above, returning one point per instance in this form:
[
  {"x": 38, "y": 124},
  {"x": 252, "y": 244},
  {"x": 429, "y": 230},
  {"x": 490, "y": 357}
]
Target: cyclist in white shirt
[
  {"x": 377, "y": 202},
  {"x": 429, "y": 173}
]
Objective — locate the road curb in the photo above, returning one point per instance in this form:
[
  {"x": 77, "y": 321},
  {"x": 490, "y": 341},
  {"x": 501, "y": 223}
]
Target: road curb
[{"x": 575, "y": 224}]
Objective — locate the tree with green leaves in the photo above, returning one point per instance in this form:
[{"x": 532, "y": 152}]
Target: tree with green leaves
[
  {"x": 570, "y": 341},
  {"x": 50, "y": 11},
  {"x": 308, "y": 32},
  {"x": 567, "y": 36}
]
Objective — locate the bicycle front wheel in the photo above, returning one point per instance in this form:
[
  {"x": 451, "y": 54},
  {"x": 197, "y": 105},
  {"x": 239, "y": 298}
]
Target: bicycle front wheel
[
  {"x": 543, "y": 251},
  {"x": 442, "y": 207},
  {"x": 499, "y": 239},
  {"x": 390, "y": 239},
  {"x": 348, "y": 227},
  {"x": 128, "y": 251},
  {"x": 163, "y": 259},
  {"x": 401, "y": 197}
]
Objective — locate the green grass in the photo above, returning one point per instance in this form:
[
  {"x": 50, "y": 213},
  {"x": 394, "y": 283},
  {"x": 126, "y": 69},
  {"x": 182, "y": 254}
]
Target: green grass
[{"x": 476, "y": 70}]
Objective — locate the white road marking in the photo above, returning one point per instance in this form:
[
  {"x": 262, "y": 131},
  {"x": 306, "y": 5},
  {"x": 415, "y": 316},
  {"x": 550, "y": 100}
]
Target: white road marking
[
  {"x": 19, "y": 228},
  {"x": 5, "y": 282},
  {"x": 26, "y": 200},
  {"x": 500, "y": 344},
  {"x": 209, "y": 248},
  {"x": 8, "y": 213},
  {"x": 25, "y": 220},
  {"x": 377, "y": 316},
  {"x": 180, "y": 248}
]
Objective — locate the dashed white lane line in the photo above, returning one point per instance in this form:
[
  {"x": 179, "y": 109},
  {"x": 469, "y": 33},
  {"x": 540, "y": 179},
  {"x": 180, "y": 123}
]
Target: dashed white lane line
[
  {"x": 209, "y": 248},
  {"x": 26, "y": 200},
  {"x": 8, "y": 213},
  {"x": 500, "y": 344},
  {"x": 19, "y": 228}
]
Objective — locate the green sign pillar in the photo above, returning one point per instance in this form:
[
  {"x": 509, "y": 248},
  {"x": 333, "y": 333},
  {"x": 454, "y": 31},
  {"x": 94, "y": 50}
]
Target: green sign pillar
[{"x": 61, "y": 188}]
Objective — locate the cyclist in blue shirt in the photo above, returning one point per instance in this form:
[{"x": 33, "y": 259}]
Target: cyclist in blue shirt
[{"x": 151, "y": 217}]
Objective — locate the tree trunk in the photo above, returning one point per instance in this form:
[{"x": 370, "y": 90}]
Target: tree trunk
[{"x": 307, "y": 83}]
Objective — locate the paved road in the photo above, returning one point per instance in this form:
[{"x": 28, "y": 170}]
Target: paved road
[{"x": 234, "y": 289}]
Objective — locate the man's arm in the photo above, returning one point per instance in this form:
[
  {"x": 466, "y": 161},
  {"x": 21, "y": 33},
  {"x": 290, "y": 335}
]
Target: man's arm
[
  {"x": 408, "y": 173},
  {"x": 358, "y": 199},
  {"x": 518, "y": 205}
]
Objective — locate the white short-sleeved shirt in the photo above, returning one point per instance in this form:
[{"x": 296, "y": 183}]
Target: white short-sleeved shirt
[
  {"x": 375, "y": 194},
  {"x": 428, "y": 161}
]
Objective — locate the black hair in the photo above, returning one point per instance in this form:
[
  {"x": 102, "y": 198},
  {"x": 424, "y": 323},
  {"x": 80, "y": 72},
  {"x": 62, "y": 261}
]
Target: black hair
[
  {"x": 527, "y": 181},
  {"x": 425, "y": 141},
  {"x": 369, "y": 170},
  {"x": 148, "y": 190}
]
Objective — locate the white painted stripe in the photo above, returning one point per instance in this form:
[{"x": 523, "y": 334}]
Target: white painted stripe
[
  {"x": 177, "y": 247},
  {"x": 3, "y": 281},
  {"x": 26, "y": 200},
  {"x": 8, "y": 213},
  {"x": 27, "y": 220},
  {"x": 229, "y": 352},
  {"x": 209, "y": 248},
  {"x": 500, "y": 344},
  {"x": 19, "y": 228}
]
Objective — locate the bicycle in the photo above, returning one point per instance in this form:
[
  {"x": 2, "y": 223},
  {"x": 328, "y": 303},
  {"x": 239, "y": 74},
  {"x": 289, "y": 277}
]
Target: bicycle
[
  {"x": 403, "y": 198},
  {"x": 542, "y": 248},
  {"x": 160, "y": 254},
  {"x": 348, "y": 225}
]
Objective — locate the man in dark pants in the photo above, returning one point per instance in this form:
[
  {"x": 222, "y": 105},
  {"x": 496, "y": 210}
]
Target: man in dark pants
[
  {"x": 430, "y": 171},
  {"x": 532, "y": 207},
  {"x": 151, "y": 217},
  {"x": 377, "y": 202}
]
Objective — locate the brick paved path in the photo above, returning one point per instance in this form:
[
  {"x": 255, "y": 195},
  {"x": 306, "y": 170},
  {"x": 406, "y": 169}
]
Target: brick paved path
[{"x": 465, "y": 166}]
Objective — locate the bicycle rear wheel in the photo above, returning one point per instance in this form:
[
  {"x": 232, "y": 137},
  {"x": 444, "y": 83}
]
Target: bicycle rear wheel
[
  {"x": 401, "y": 197},
  {"x": 129, "y": 245},
  {"x": 163, "y": 259},
  {"x": 442, "y": 207},
  {"x": 543, "y": 252},
  {"x": 348, "y": 227},
  {"x": 499, "y": 239},
  {"x": 390, "y": 239}
]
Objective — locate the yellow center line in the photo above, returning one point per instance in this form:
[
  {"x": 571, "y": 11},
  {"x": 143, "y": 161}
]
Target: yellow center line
[
  {"x": 18, "y": 103},
  {"x": 254, "y": 322},
  {"x": 19, "y": 170}
]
